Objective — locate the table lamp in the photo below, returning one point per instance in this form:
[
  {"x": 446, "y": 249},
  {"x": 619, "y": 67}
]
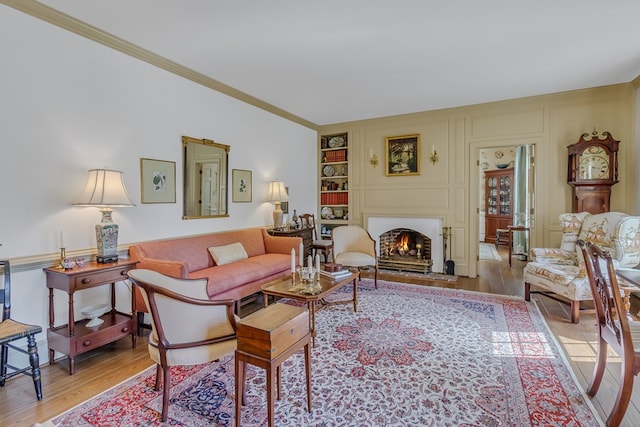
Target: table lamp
[
  {"x": 105, "y": 190},
  {"x": 277, "y": 193}
]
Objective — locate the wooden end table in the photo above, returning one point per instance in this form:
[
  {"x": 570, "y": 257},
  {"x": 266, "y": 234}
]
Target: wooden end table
[
  {"x": 284, "y": 288},
  {"x": 75, "y": 337},
  {"x": 267, "y": 338},
  {"x": 512, "y": 229}
]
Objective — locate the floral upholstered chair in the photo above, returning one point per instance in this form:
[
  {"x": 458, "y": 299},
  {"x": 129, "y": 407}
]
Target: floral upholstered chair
[{"x": 560, "y": 272}]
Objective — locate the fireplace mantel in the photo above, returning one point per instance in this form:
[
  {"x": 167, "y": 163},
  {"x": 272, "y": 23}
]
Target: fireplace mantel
[{"x": 429, "y": 226}]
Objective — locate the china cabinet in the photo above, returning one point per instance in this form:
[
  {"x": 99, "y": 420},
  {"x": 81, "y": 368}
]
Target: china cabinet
[
  {"x": 498, "y": 202},
  {"x": 334, "y": 182}
]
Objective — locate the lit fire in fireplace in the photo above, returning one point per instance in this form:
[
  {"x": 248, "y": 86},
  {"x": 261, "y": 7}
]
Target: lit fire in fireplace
[
  {"x": 402, "y": 243},
  {"x": 405, "y": 250}
]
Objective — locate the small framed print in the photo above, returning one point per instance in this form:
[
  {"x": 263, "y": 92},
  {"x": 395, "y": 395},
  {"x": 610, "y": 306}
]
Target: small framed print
[
  {"x": 241, "y": 182},
  {"x": 157, "y": 181},
  {"x": 285, "y": 205},
  {"x": 402, "y": 155}
]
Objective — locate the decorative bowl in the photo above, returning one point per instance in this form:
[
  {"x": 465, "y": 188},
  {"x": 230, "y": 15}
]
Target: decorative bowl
[
  {"x": 94, "y": 312},
  {"x": 502, "y": 165},
  {"x": 68, "y": 263}
]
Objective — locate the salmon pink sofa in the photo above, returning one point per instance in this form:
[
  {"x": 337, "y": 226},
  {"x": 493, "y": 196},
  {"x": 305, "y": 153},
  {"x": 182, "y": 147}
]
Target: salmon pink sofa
[{"x": 240, "y": 271}]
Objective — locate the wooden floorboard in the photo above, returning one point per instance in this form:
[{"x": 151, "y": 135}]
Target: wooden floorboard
[{"x": 106, "y": 367}]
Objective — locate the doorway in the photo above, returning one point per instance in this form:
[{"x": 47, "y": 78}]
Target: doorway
[{"x": 513, "y": 164}]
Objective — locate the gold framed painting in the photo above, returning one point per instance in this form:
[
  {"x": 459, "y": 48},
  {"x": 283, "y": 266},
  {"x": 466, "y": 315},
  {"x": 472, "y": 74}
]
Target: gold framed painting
[
  {"x": 157, "y": 181},
  {"x": 241, "y": 182},
  {"x": 402, "y": 155}
]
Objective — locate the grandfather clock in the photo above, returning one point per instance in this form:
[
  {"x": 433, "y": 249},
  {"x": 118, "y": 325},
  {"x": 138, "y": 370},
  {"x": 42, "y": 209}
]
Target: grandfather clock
[{"x": 592, "y": 170}]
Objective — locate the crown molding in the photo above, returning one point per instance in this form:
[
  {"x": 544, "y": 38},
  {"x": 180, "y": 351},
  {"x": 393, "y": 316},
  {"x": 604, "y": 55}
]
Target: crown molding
[{"x": 62, "y": 20}]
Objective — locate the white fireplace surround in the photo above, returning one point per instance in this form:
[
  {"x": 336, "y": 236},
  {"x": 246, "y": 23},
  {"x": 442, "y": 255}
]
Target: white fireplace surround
[{"x": 429, "y": 226}]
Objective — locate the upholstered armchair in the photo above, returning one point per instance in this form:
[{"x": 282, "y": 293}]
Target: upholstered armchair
[
  {"x": 559, "y": 273},
  {"x": 186, "y": 327},
  {"x": 354, "y": 247}
]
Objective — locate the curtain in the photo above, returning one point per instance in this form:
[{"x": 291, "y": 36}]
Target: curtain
[{"x": 521, "y": 198}]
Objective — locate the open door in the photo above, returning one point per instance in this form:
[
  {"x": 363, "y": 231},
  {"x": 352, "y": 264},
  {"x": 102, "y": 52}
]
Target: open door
[{"x": 523, "y": 195}]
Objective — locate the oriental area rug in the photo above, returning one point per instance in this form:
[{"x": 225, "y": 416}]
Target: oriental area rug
[
  {"x": 411, "y": 356},
  {"x": 489, "y": 251}
]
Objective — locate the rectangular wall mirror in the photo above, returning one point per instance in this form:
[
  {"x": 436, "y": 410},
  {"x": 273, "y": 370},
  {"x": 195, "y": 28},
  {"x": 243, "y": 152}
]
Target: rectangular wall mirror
[{"x": 205, "y": 168}]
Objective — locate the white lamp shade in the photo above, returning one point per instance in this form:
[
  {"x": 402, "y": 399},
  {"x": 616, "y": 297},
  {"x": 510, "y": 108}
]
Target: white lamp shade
[
  {"x": 277, "y": 192},
  {"x": 104, "y": 188}
]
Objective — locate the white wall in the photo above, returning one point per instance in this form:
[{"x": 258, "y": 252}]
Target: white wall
[{"x": 68, "y": 104}]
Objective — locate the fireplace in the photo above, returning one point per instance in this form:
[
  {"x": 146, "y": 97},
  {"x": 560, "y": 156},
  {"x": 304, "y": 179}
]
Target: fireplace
[
  {"x": 405, "y": 249},
  {"x": 426, "y": 229}
]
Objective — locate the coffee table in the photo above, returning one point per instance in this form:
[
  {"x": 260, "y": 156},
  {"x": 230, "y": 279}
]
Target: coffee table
[{"x": 284, "y": 288}]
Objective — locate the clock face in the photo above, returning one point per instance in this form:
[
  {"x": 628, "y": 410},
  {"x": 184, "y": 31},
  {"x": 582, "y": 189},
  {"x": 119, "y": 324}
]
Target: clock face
[{"x": 594, "y": 163}]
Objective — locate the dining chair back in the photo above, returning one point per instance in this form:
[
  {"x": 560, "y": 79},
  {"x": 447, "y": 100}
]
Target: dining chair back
[
  {"x": 325, "y": 246},
  {"x": 614, "y": 328},
  {"x": 12, "y": 331}
]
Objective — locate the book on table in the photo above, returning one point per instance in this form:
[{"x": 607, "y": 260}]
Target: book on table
[{"x": 335, "y": 274}]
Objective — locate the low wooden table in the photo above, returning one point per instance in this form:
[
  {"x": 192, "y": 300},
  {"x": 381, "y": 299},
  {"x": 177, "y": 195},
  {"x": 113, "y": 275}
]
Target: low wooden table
[
  {"x": 284, "y": 288},
  {"x": 628, "y": 281},
  {"x": 267, "y": 338},
  {"x": 512, "y": 229}
]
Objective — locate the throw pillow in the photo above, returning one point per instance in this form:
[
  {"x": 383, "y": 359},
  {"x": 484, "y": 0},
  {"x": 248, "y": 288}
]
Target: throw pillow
[{"x": 228, "y": 253}]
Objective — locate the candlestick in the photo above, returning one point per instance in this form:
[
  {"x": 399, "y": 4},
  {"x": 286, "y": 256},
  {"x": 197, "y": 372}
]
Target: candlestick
[
  {"x": 317, "y": 263},
  {"x": 293, "y": 260},
  {"x": 301, "y": 255}
]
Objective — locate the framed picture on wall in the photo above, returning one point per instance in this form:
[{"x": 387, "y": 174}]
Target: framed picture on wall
[
  {"x": 402, "y": 155},
  {"x": 157, "y": 181},
  {"x": 241, "y": 182},
  {"x": 285, "y": 205}
]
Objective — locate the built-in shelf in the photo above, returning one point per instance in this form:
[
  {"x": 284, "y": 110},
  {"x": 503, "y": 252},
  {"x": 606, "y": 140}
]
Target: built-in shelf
[{"x": 333, "y": 182}]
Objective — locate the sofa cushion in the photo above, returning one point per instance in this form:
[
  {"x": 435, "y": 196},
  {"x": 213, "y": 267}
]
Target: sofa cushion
[
  {"x": 571, "y": 224},
  {"x": 628, "y": 241},
  {"x": 228, "y": 253},
  {"x": 553, "y": 256},
  {"x": 222, "y": 278}
]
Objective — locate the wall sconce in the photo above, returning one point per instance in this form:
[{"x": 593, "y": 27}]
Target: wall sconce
[
  {"x": 373, "y": 159},
  {"x": 433, "y": 158},
  {"x": 105, "y": 190}
]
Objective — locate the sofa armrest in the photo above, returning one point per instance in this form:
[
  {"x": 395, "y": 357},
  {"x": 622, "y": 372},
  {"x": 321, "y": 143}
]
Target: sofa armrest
[
  {"x": 553, "y": 256},
  {"x": 627, "y": 241},
  {"x": 280, "y": 244},
  {"x": 171, "y": 268}
]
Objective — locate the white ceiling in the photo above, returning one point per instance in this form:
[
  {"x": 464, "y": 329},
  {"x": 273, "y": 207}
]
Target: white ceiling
[{"x": 333, "y": 61}]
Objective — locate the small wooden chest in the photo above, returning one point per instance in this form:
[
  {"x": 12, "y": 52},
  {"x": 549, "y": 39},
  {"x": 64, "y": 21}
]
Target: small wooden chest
[{"x": 270, "y": 331}]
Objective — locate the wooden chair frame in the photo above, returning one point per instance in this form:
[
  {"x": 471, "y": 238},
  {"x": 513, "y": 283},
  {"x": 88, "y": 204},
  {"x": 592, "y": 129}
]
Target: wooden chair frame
[
  {"x": 323, "y": 245},
  {"x": 164, "y": 345},
  {"x": 11, "y": 331},
  {"x": 614, "y": 328}
]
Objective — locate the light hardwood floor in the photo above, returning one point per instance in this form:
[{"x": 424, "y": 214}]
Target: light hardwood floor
[{"x": 103, "y": 368}]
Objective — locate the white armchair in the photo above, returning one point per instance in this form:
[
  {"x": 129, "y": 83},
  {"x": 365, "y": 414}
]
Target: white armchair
[
  {"x": 353, "y": 246},
  {"x": 560, "y": 273},
  {"x": 186, "y": 327}
]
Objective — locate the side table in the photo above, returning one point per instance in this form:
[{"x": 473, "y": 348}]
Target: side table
[
  {"x": 267, "y": 338},
  {"x": 306, "y": 234},
  {"x": 512, "y": 229},
  {"x": 75, "y": 337}
]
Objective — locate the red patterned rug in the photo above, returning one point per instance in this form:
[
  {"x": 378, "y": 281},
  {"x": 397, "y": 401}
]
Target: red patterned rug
[{"x": 412, "y": 355}]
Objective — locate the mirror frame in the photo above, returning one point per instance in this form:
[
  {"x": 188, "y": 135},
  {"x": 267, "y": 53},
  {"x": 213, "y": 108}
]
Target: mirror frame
[{"x": 186, "y": 169}]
